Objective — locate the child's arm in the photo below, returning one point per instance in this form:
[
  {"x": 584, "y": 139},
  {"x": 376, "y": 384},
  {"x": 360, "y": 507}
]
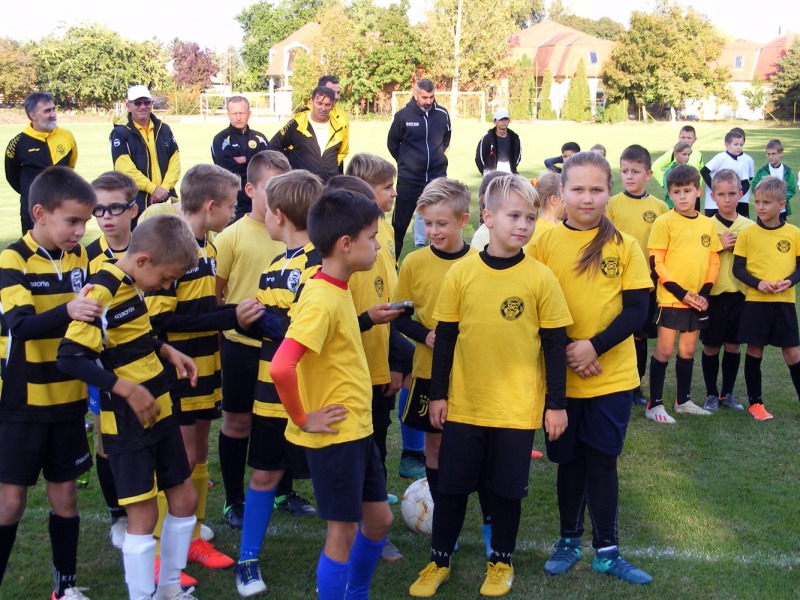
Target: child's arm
[
  {"x": 162, "y": 304},
  {"x": 625, "y": 324},
  {"x": 443, "y": 353},
  {"x": 412, "y": 329},
  {"x": 705, "y": 173},
  {"x": 380, "y": 314},
  {"x": 551, "y": 164},
  {"x": 262, "y": 321},
  {"x": 555, "y": 403},
  {"x": 660, "y": 166},
  {"x": 657, "y": 257}
]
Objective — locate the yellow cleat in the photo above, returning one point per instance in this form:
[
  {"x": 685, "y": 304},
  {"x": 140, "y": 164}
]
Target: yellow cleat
[
  {"x": 429, "y": 580},
  {"x": 499, "y": 577}
]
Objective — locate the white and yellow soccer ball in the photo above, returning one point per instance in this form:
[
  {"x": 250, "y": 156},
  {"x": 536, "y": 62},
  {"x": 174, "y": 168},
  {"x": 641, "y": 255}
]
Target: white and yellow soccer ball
[{"x": 417, "y": 507}]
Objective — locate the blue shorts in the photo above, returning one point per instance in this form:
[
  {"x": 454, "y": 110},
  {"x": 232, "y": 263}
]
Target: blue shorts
[
  {"x": 600, "y": 423},
  {"x": 344, "y": 476}
]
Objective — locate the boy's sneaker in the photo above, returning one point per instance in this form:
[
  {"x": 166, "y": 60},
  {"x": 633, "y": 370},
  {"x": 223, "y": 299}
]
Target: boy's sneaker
[
  {"x": 611, "y": 563},
  {"x": 391, "y": 499},
  {"x": 234, "y": 514},
  {"x": 295, "y": 505},
  {"x": 759, "y": 412},
  {"x": 204, "y": 553},
  {"x": 71, "y": 593},
  {"x": 711, "y": 404},
  {"x": 499, "y": 578},
  {"x": 187, "y": 580},
  {"x": 658, "y": 414},
  {"x": 690, "y": 408},
  {"x": 173, "y": 592},
  {"x": 567, "y": 553},
  {"x": 206, "y": 532},
  {"x": 390, "y": 552},
  {"x": 248, "y": 579},
  {"x": 412, "y": 466},
  {"x": 486, "y": 529},
  {"x": 429, "y": 580},
  {"x": 730, "y": 401},
  {"x": 117, "y": 532},
  {"x": 638, "y": 397}
]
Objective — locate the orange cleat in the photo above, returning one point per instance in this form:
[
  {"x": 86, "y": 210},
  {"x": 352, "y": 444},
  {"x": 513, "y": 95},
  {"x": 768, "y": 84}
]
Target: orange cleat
[{"x": 204, "y": 553}]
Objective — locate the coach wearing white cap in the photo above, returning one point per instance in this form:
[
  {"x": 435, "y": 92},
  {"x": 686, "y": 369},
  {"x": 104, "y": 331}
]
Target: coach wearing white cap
[
  {"x": 499, "y": 148},
  {"x": 143, "y": 147}
]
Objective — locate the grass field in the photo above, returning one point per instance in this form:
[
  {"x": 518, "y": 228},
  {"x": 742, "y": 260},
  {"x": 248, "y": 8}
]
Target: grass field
[{"x": 708, "y": 506}]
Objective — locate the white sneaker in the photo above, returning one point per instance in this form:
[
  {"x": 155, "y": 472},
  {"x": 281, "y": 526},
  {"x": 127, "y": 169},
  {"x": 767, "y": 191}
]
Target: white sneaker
[
  {"x": 173, "y": 592},
  {"x": 659, "y": 415},
  {"x": 690, "y": 408},
  {"x": 206, "y": 532},
  {"x": 73, "y": 593},
  {"x": 117, "y": 532}
]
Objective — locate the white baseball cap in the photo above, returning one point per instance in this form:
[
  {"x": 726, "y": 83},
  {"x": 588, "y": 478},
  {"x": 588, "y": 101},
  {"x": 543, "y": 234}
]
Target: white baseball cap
[
  {"x": 138, "y": 91},
  {"x": 501, "y": 114}
]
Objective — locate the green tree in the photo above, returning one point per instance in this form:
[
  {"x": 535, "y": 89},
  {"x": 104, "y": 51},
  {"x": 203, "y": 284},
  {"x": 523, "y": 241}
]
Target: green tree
[
  {"x": 786, "y": 82},
  {"x": 604, "y": 28},
  {"x": 756, "y": 95},
  {"x": 265, "y": 24},
  {"x": 231, "y": 68},
  {"x": 613, "y": 112},
  {"x": 578, "y": 104},
  {"x": 522, "y": 89},
  {"x": 92, "y": 65},
  {"x": 664, "y": 58},
  {"x": 546, "y": 112},
  {"x": 17, "y": 70}
]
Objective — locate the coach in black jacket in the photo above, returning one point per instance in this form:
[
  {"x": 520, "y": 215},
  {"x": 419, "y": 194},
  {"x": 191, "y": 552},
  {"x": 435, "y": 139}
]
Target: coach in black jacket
[
  {"x": 499, "y": 149},
  {"x": 418, "y": 139}
]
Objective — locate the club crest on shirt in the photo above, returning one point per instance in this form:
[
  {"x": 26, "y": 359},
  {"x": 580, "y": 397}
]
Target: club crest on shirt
[
  {"x": 61, "y": 149},
  {"x": 390, "y": 246},
  {"x": 213, "y": 264},
  {"x": 705, "y": 239},
  {"x": 379, "y": 286},
  {"x": 251, "y": 144},
  {"x": 648, "y": 216},
  {"x": 784, "y": 246},
  {"x": 76, "y": 279},
  {"x": 293, "y": 280},
  {"x": 610, "y": 267},
  {"x": 512, "y": 308}
]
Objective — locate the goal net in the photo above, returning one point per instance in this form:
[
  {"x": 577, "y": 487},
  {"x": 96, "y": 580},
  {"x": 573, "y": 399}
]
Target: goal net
[{"x": 468, "y": 105}]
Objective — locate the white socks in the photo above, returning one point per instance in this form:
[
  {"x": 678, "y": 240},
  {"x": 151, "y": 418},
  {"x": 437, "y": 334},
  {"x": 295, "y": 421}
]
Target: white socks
[
  {"x": 139, "y": 557},
  {"x": 176, "y": 535}
]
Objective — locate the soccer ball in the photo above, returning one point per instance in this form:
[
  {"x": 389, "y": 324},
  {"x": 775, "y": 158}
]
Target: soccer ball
[{"x": 417, "y": 507}]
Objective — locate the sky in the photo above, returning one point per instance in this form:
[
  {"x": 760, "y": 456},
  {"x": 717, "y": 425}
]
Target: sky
[{"x": 212, "y": 24}]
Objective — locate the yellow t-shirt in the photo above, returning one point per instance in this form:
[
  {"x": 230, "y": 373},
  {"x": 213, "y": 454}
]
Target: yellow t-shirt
[
  {"x": 594, "y": 301},
  {"x": 244, "y": 250},
  {"x": 635, "y": 216},
  {"x": 688, "y": 242},
  {"x": 100, "y": 252},
  {"x": 726, "y": 282},
  {"x": 386, "y": 239},
  {"x": 497, "y": 378},
  {"x": 420, "y": 280},
  {"x": 159, "y": 208},
  {"x": 772, "y": 255},
  {"x": 334, "y": 369}
]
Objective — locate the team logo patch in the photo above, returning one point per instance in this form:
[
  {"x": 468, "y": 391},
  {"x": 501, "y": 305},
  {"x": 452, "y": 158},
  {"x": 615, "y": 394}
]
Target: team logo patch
[
  {"x": 61, "y": 149},
  {"x": 648, "y": 216},
  {"x": 705, "y": 239},
  {"x": 213, "y": 263},
  {"x": 116, "y": 143},
  {"x": 76, "y": 279},
  {"x": 251, "y": 144},
  {"x": 784, "y": 246},
  {"x": 610, "y": 267},
  {"x": 512, "y": 308},
  {"x": 293, "y": 280},
  {"x": 379, "y": 286},
  {"x": 390, "y": 246}
]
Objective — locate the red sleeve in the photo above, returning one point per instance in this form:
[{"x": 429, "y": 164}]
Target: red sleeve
[{"x": 284, "y": 373}]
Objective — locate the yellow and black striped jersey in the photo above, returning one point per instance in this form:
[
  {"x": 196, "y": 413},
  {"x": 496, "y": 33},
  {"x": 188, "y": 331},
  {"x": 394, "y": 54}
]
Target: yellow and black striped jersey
[
  {"x": 123, "y": 341},
  {"x": 278, "y": 290},
  {"x": 35, "y": 286},
  {"x": 99, "y": 252}
]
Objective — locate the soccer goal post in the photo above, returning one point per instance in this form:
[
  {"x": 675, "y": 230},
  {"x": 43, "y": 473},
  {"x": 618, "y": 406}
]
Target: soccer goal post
[{"x": 469, "y": 105}]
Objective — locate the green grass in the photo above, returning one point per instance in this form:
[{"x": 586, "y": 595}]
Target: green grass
[{"x": 708, "y": 506}]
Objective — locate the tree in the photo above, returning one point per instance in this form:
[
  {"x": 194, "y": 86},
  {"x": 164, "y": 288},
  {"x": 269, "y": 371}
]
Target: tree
[
  {"x": 755, "y": 95},
  {"x": 17, "y": 71},
  {"x": 92, "y": 65},
  {"x": 546, "y": 112},
  {"x": 664, "y": 58},
  {"x": 604, "y": 28},
  {"x": 786, "y": 82},
  {"x": 231, "y": 67},
  {"x": 522, "y": 89},
  {"x": 193, "y": 67},
  {"x": 578, "y": 104},
  {"x": 265, "y": 24}
]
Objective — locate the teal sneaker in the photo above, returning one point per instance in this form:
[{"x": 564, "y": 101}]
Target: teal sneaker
[
  {"x": 412, "y": 466},
  {"x": 611, "y": 563},
  {"x": 567, "y": 553}
]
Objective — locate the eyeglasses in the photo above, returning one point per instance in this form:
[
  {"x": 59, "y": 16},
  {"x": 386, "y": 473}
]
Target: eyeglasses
[
  {"x": 114, "y": 210},
  {"x": 138, "y": 103}
]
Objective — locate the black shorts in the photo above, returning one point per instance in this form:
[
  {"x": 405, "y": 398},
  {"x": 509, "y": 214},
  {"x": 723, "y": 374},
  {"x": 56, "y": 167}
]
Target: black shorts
[
  {"x": 649, "y": 328},
  {"x": 403, "y": 351},
  {"x": 681, "y": 319},
  {"x": 600, "y": 423},
  {"x": 497, "y": 456},
  {"x": 269, "y": 450},
  {"x": 59, "y": 450},
  {"x": 769, "y": 324},
  {"x": 416, "y": 412},
  {"x": 382, "y": 407},
  {"x": 139, "y": 475},
  {"x": 724, "y": 312},
  {"x": 344, "y": 476},
  {"x": 190, "y": 417},
  {"x": 239, "y": 375}
]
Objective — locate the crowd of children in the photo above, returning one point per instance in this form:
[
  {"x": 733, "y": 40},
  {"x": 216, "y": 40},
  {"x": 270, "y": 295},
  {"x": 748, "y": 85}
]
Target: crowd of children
[{"x": 320, "y": 332}]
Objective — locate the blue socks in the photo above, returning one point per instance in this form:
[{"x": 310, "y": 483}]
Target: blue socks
[
  {"x": 257, "y": 513},
  {"x": 364, "y": 558},
  {"x": 331, "y": 578},
  {"x": 413, "y": 439}
]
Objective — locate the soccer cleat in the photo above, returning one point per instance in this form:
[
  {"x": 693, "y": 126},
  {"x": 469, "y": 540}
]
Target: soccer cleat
[
  {"x": 486, "y": 529},
  {"x": 730, "y": 401},
  {"x": 295, "y": 505},
  {"x": 690, "y": 408},
  {"x": 638, "y": 397},
  {"x": 390, "y": 552},
  {"x": 658, "y": 414},
  {"x": 117, "y": 532},
  {"x": 711, "y": 404},
  {"x": 234, "y": 515},
  {"x": 536, "y": 454},
  {"x": 412, "y": 466},
  {"x": 174, "y": 592},
  {"x": 611, "y": 563},
  {"x": 187, "y": 581},
  {"x": 206, "y": 532},
  {"x": 71, "y": 593},
  {"x": 759, "y": 412},
  {"x": 499, "y": 578},
  {"x": 248, "y": 579},
  {"x": 391, "y": 499},
  {"x": 204, "y": 553},
  {"x": 567, "y": 553},
  {"x": 429, "y": 580}
]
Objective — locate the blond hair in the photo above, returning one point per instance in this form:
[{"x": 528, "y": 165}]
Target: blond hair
[
  {"x": 371, "y": 168},
  {"x": 448, "y": 192},
  {"x": 167, "y": 239},
  {"x": 772, "y": 187},
  {"x": 264, "y": 161},
  {"x": 202, "y": 183},
  {"x": 293, "y": 193},
  {"x": 500, "y": 189}
]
